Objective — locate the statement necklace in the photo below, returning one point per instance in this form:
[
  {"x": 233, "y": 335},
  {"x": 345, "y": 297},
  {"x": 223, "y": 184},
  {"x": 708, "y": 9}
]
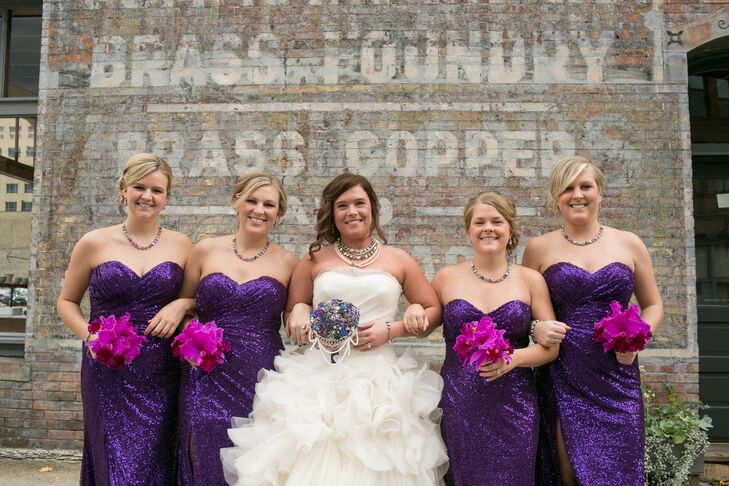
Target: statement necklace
[
  {"x": 254, "y": 257},
  {"x": 489, "y": 279},
  {"x": 135, "y": 244},
  {"x": 358, "y": 257},
  {"x": 582, "y": 243}
]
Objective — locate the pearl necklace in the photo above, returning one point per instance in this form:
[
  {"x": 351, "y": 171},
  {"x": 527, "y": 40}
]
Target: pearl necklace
[
  {"x": 254, "y": 257},
  {"x": 489, "y": 279},
  {"x": 135, "y": 244},
  {"x": 358, "y": 257},
  {"x": 582, "y": 243}
]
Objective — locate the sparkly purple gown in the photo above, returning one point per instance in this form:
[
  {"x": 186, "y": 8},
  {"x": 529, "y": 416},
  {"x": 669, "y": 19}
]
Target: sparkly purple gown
[
  {"x": 490, "y": 429},
  {"x": 596, "y": 399},
  {"x": 130, "y": 413},
  {"x": 250, "y": 315}
]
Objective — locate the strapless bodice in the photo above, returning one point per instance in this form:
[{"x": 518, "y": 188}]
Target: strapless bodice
[
  {"x": 254, "y": 306},
  {"x": 114, "y": 288},
  {"x": 375, "y": 292},
  {"x": 582, "y": 295}
]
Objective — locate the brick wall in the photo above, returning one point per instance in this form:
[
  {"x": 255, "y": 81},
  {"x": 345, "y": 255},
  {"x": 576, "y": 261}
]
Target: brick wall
[{"x": 433, "y": 101}]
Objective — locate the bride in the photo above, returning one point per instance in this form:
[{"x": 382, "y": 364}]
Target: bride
[{"x": 371, "y": 419}]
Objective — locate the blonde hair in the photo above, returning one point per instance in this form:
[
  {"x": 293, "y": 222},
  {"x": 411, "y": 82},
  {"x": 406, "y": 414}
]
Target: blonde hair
[
  {"x": 249, "y": 183},
  {"x": 139, "y": 166},
  {"x": 566, "y": 171},
  {"x": 506, "y": 208}
]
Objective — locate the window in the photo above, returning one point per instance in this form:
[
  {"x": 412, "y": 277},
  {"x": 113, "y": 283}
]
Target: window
[
  {"x": 709, "y": 95},
  {"x": 20, "y": 45},
  {"x": 11, "y": 188}
]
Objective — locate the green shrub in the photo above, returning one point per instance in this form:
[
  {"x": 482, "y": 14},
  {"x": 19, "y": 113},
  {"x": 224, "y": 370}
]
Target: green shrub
[{"x": 675, "y": 436}]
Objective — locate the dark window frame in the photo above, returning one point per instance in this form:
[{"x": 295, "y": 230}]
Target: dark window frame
[
  {"x": 9, "y": 205},
  {"x": 19, "y": 107}
]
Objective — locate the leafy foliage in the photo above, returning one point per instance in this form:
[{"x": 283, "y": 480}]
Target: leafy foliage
[{"x": 675, "y": 436}]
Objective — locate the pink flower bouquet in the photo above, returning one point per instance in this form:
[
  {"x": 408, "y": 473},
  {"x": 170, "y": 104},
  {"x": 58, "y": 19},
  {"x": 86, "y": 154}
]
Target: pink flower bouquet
[
  {"x": 113, "y": 341},
  {"x": 480, "y": 343},
  {"x": 622, "y": 331},
  {"x": 201, "y": 345}
]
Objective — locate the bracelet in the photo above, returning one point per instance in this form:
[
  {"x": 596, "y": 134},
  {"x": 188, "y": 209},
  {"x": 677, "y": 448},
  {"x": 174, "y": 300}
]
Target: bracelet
[
  {"x": 389, "y": 331},
  {"x": 86, "y": 339},
  {"x": 531, "y": 329}
]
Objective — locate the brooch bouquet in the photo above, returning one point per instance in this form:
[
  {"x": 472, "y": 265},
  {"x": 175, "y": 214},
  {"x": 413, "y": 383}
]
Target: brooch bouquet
[
  {"x": 334, "y": 328},
  {"x": 622, "y": 331},
  {"x": 113, "y": 341},
  {"x": 201, "y": 345},
  {"x": 481, "y": 343}
]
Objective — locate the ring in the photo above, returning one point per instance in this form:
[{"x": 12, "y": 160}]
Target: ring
[
  {"x": 303, "y": 327},
  {"x": 498, "y": 372},
  {"x": 369, "y": 345}
]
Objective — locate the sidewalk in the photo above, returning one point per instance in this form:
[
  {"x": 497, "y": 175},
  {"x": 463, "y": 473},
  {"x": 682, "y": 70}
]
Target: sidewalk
[{"x": 16, "y": 472}]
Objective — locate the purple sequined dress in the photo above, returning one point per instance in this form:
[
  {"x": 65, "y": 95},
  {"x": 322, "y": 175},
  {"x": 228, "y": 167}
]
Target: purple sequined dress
[
  {"x": 490, "y": 429},
  {"x": 596, "y": 399},
  {"x": 130, "y": 413},
  {"x": 250, "y": 315}
]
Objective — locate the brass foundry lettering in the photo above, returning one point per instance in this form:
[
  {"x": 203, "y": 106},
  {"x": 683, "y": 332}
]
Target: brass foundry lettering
[{"x": 375, "y": 57}]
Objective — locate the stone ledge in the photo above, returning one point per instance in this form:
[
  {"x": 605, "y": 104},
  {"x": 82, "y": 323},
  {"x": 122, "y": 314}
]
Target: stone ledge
[
  {"x": 59, "y": 455},
  {"x": 14, "y": 369}
]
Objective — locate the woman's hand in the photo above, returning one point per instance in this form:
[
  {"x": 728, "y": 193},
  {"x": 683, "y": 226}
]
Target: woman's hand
[
  {"x": 165, "y": 322},
  {"x": 415, "y": 320},
  {"x": 371, "y": 335},
  {"x": 298, "y": 325},
  {"x": 626, "y": 358},
  {"x": 549, "y": 333},
  {"x": 494, "y": 371}
]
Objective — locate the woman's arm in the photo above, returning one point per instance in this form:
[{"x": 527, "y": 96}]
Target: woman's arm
[
  {"x": 547, "y": 332},
  {"x": 646, "y": 291},
  {"x": 531, "y": 356},
  {"x": 298, "y": 305},
  {"x": 170, "y": 317},
  {"x": 417, "y": 290},
  {"x": 75, "y": 283}
]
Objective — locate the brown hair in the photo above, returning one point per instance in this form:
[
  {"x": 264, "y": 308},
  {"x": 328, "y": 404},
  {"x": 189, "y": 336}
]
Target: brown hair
[
  {"x": 506, "y": 208},
  {"x": 249, "y": 183},
  {"x": 326, "y": 230},
  {"x": 566, "y": 171},
  {"x": 139, "y": 166}
]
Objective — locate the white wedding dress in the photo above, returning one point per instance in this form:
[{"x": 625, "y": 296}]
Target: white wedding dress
[{"x": 372, "y": 419}]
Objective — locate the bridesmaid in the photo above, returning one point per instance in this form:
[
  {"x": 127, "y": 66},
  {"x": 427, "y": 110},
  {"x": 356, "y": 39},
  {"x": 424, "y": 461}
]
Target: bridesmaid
[
  {"x": 239, "y": 281},
  {"x": 491, "y": 422},
  {"x": 592, "y": 404},
  {"x": 135, "y": 267}
]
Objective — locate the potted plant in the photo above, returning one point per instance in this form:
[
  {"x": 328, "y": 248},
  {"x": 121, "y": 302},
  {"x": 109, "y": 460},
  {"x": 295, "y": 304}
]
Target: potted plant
[{"x": 675, "y": 438}]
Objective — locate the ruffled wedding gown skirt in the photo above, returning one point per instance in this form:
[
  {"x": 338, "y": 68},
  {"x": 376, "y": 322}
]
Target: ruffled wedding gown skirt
[{"x": 372, "y": 419}]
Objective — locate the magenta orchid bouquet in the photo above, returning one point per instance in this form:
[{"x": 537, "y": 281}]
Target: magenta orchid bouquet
[
  {"x": 113, "y": 341},
  {"x": 201, "y": 345},
  {"x": 481, "y": 343},
  {"x": 622, "y": 331}
]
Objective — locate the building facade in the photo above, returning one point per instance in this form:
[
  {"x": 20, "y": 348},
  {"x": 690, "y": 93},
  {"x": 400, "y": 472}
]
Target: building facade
[{"x": 432, "y": 100}]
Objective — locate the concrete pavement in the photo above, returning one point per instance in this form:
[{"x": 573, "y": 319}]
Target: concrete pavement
[{"x": 16, "y": 472}]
